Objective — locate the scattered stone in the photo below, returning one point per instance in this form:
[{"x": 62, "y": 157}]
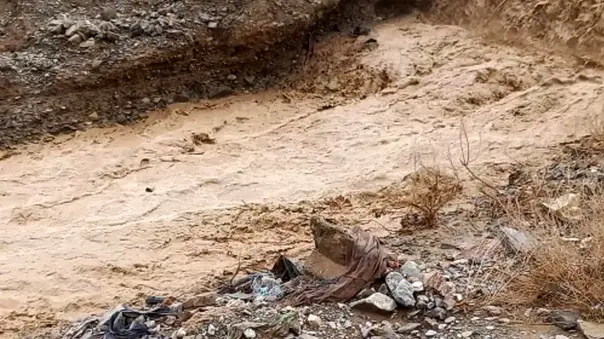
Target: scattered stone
[
  {"x": 490, "y": 328},
  {"x": 467, "y": 334},
  {"x": 559, "y": 336},
  {"x": 94, "y": 116},
  {"x": 431, "y": 322},
  {"x": 249, "y": 333},
  {"x": 408, "y": 327},
  {"x": 366, "y": 293},
  {"x": 108, "y": 13},
  {"x": 376, "y": 302},
  {"x": 431, "y": 333},
  {"x": 411, "y": 271},
  {"x": 212, "y": 25},
  {"x": 422, "y": 302},
  {"x": 493, "y": 310},
  {"x": 211, "y": 329},
  {"x": 504, "y": 320},
  {"x": 75, "y": 39},
  {"x": 384, "y": 289},
  {"x": 71, "y": 30},
  {"x": 449, "y": 320},
  {"x": 401, "y": 289},
  {"x": 87, "y": 44},
  {"x": 96, "y": 63},
  {"x": 315, "y": 321},
  {"x": 516, "y": 241},
  {"x": 231, "y": 77},
  {"x": 437, "y": 313},
  {"x": 417, "y": 286},
  {"x": 566, "y": 320},
  {"x": 565, "y": 207},
  {"x": 306, "y": 336},
  {"x": 201, "y": 300},
  {"x": 180, "y": 333},
  {"x": 591, "y": 330},
  {"x": 543, "y": 312}
]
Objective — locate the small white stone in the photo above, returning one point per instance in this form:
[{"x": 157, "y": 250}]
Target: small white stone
[
  {"x": 418, "y": 286},
  {"x": 249, "y": 333},
  {"x": 211, "y": 330},
  {"x": 315, "y": 321},
  {"x": 467, "y": 334},
  {"x": 559, "y": 336},
  {"x": 449, "y": 320},
  {"x": 490, "y": 328},
  {"x": 430, "y": 333}
]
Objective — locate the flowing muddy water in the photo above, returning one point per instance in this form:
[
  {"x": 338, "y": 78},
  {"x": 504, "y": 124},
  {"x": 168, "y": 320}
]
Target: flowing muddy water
[{"x": 109, "y": 214}]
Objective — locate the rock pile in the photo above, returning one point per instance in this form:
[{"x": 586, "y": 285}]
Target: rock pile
[
  {"x": 110, "y": 26},
  {"x": 410, "y": 288}
]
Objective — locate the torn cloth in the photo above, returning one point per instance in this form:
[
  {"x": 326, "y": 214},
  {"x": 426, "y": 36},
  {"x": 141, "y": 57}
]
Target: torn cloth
[
  {"x": 120, "y": 323},
  {"x": 367, "y": 262}
]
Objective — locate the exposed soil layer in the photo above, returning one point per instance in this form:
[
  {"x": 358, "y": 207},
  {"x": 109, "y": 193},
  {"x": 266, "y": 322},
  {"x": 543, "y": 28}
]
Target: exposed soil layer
[{"x": 144, "y": 55}]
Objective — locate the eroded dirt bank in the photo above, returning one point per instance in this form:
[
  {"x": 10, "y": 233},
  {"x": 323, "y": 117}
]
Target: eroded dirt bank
[
  {"x": 109, "y": 214},
  {"x": 64, "y": 68}
]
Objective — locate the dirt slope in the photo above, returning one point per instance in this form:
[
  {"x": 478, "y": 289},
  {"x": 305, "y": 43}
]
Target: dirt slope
[{"x": 107, "y": 214}]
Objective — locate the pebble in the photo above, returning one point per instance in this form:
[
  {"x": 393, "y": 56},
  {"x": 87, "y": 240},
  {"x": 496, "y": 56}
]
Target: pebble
[
  {"x": 411, "y": 270},
  {"x": 504, "y": 320},
  {"x": 418, "y": 286},
  {"x": 211, "y": 329},
  {"x": 467, "y": 334},
  {"x": 71, "y": 30},
  {"x": 181, "y": 333},
  {"x": 449, "y": 320},
  {"x": 376, "y": 301},
  {"x": 249, "y": 333},
  {"x": 315, "y": 321},
  {"x": 108, "y": 13},
  {"x": 493, "y": 310},
  {"x": 212, "y": 25},
  {"x": 559, "y": 336},
  {"x": 409, "y": 327},
  {"x": 490, "y": 328},
  {"x": 431, "y": 333},
  {"x": 437, "y": 313},
  {"x": 75, "y": 39},
  {"x": 231, "y": 77},
  {"x": 87, "y": 44}
]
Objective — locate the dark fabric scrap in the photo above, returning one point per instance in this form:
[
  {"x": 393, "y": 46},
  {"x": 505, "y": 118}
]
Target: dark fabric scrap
[
  {"x": 285, "y": 269},
  {"x": 367, "y": 263}
]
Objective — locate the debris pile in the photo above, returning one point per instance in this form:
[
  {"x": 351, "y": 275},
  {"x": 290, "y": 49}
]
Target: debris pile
[{"x": 352, "y": 270}]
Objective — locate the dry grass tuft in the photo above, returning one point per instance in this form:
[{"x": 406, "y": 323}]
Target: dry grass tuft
[
  {"x": 563, "y": 272},
  {"x": 428, "y": 190}
]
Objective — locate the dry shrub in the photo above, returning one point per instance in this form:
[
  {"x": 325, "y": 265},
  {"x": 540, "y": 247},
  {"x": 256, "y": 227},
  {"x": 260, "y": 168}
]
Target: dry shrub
[
  {"x": 563, "y": 272},
  {"x": 428, "y": 190}
]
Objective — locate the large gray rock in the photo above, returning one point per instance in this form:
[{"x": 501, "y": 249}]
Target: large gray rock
[
  {"x": 376, "y": 302},
  {"x": 401, "y": 289}
]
